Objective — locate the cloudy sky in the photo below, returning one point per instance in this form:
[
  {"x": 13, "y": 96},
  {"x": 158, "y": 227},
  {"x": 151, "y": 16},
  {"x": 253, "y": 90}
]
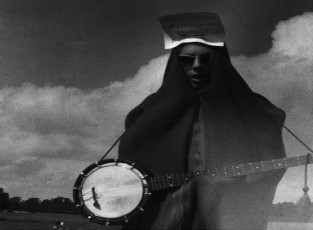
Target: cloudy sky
[{"x": 71, "y": 70}]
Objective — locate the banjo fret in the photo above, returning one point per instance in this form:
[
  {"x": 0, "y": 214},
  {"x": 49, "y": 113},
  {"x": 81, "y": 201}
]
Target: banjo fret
[{"x": 233, "y": 170}]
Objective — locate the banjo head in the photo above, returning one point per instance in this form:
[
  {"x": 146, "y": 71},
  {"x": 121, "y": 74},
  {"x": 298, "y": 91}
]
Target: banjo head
[{"x": 111, "y": 191}]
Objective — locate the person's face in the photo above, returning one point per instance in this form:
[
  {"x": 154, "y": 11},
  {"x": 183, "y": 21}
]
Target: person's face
[{"x": 195, "y": 60}]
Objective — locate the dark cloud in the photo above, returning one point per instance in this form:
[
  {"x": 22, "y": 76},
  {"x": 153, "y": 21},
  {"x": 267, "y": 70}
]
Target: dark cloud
[
  {"x": 5, "y": 162},
  {"x": 46, "y": 123},
  {"x": 87, "y": 44},
  {"x": 53, "y": 110},
  {"x": 58, "y": 122},
  {"x": 76, "y": 149},
  {"x": 28, "y": 167}
]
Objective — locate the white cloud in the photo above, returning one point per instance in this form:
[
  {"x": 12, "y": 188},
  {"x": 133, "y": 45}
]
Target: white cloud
[
  {"x": 47, "y": 120},
  {"x": 294, "y": 37},
  {"x": 51, "y": 133},
  {"x": 147, "y": 80},
  {"x": 40, "y": 125},
  {"x": 285, "y": 76}
]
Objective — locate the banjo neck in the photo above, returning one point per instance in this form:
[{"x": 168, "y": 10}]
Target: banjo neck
[
  {"x": 116, "y": 191},
  {"x": 178, "y": 179}
]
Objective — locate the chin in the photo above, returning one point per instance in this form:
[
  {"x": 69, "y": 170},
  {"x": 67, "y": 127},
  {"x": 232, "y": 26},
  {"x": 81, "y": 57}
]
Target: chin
[{"x": 197, "y": 87}]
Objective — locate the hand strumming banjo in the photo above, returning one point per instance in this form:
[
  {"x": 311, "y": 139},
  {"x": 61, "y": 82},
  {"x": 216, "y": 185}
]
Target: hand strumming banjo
[{"x": 115, "y": 191}]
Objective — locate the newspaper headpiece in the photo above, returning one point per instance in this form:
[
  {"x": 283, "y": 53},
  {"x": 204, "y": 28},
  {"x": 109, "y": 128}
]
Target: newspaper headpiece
[{"x": 203, "y": 27}]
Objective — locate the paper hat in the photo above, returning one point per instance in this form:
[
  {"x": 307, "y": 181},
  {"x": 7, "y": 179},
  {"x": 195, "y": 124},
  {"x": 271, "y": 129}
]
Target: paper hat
[{"x": 201, "y": 27}]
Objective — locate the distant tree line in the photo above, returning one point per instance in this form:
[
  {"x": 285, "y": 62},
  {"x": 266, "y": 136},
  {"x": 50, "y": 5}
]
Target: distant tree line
[
  {"x": 292, "y": 212},
  {"x": 287, "y": 211},
  {"x": 54, "y": 205}
]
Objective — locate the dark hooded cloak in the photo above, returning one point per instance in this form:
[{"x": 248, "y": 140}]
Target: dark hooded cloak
[{"x": 241, "y": 125}]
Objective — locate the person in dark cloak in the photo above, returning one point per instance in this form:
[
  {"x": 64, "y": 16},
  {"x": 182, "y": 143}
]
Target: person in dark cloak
[{"x": 203, "y": 116}]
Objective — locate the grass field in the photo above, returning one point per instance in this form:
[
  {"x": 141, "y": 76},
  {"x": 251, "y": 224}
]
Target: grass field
[
  {"x": 27, "y": 221},
  {"x": 289, "y": 226}
]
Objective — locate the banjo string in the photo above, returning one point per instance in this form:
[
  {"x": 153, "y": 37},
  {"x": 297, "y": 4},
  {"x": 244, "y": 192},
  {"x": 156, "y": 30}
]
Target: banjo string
[
  {"x": 117, "y": 190},
  {"x": 109, "y": 150}
]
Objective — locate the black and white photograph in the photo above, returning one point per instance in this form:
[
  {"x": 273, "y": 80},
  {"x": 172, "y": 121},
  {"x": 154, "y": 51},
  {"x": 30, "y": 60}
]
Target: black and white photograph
[{"x": 159, "y": 114}]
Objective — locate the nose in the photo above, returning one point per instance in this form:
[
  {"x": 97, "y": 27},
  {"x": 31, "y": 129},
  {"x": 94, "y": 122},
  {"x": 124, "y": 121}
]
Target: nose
[{"x": 198, "y": 64}]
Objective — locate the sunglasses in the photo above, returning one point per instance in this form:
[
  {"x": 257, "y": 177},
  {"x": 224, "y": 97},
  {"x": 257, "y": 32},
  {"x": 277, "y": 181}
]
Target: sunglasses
[{"x": 188, "y": 59}]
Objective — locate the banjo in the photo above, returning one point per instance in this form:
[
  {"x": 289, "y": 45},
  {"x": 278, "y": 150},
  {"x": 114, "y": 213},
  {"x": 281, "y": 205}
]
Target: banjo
[{"x": 116, "y": 191}]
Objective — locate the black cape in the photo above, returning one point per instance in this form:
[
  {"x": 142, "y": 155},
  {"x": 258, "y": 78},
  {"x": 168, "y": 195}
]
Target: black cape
[{"x": 242, "y": 125}]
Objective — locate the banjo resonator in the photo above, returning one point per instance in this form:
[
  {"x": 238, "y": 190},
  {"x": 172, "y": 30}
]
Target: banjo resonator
[{"x": 111, "y": 191}]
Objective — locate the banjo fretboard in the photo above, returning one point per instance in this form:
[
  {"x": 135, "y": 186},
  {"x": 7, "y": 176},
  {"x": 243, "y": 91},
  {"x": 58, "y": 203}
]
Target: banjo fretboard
[{"x": 178, "y": 179}]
